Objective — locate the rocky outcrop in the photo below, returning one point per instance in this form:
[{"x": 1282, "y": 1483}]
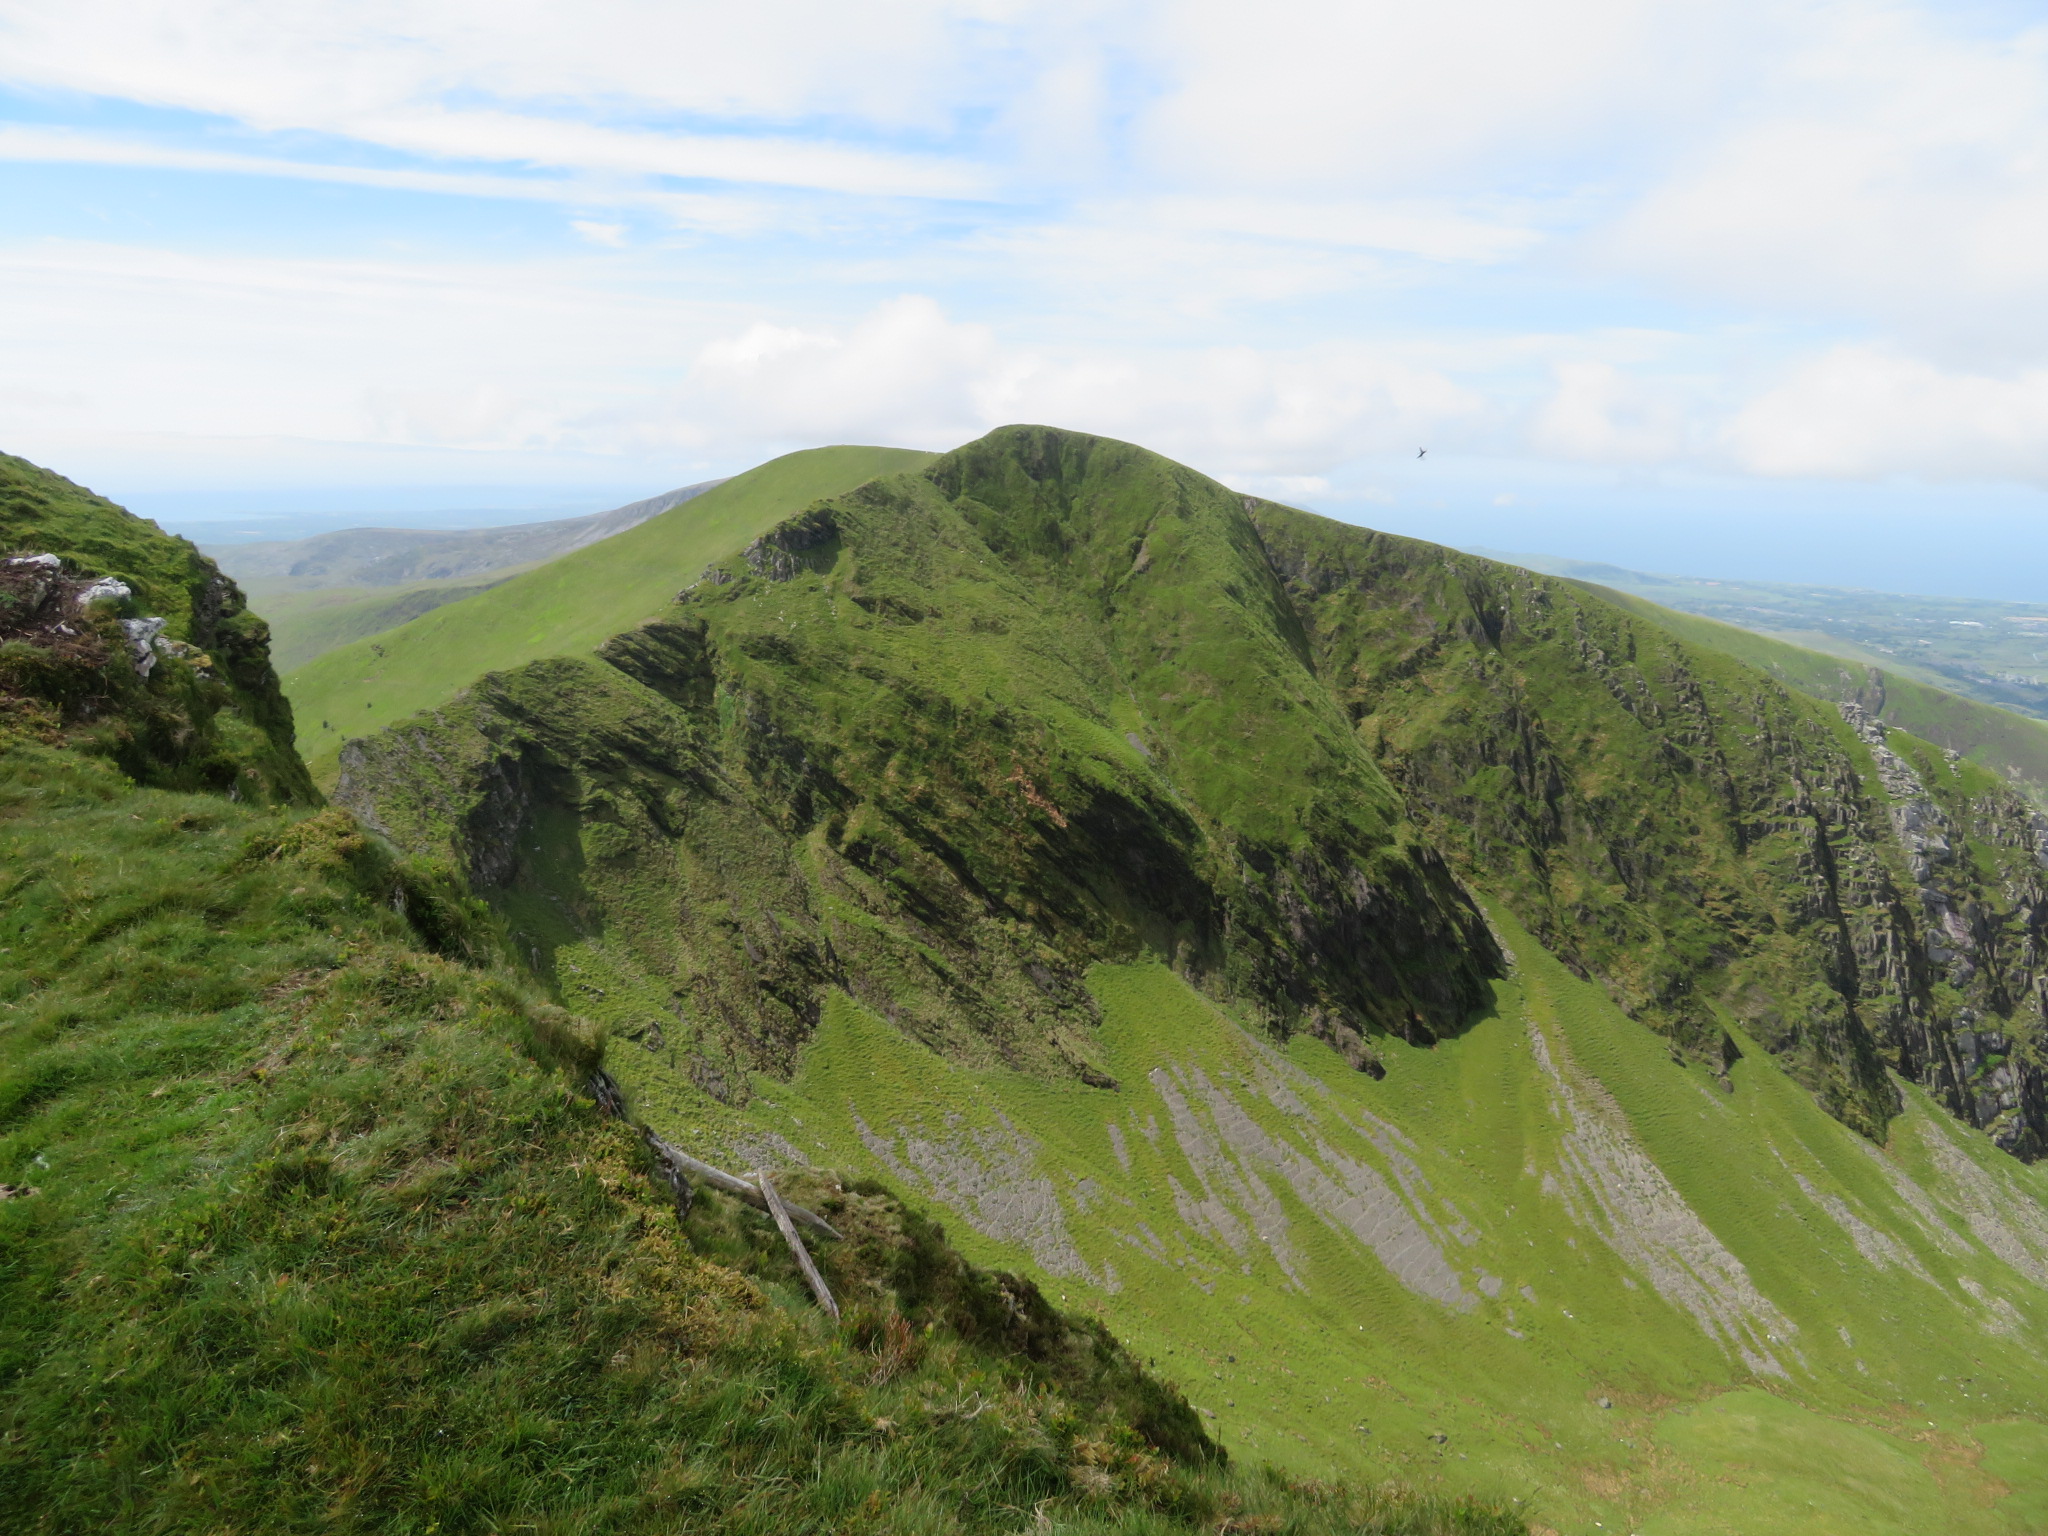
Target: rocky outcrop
[
  {"x": 1708, "y": 844},
  {"x": 132, "y": 643}
]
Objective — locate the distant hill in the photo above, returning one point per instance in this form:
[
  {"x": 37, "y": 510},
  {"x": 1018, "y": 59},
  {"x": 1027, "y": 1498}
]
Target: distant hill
[
  {"x": 392, "y": 557},
  {"x": 321, "y": 592},
  {"x": 572, "y": 603}
]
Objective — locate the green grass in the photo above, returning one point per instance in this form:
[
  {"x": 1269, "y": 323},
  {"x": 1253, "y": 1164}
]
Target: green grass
[
  {"x": 321, "y": 1241},
  {"x": 566, "y": 606},
  {"x": 307, "y": 625},
  {"x": 1940, "y": 1418}
]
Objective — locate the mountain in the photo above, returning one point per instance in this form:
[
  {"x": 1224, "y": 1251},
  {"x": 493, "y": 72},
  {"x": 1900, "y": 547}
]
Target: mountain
[
  {"x": 309, "y": 1221},
  {"x": 1472, "y": 1033},
  {"x": 322, "y": 592},
  {"x": 568, "y": 605},
  {"x": 395, "y": 557},
  {"x": 1988, "y": 652}
]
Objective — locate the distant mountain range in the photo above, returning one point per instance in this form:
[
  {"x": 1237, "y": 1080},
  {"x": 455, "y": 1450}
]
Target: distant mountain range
[
  {"x": 392, "y": 557},
  {"x": 327, "y": 590}
]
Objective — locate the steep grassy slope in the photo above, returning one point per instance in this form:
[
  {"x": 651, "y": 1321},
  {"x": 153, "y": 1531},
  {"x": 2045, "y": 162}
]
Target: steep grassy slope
[
  {"x": 1071, "y": 842},
  {"x": 570, "y": 604},
  {"x": 1619, "y": 1289},
  {"x": 133, "y": 644},
  {"x": 302, "y": 1228},
  {"x": 307, "y": 625},
  {"x": 1055, "y": 700},
  {"x": 2009, "y": 744},
  {"x": 303, "y": 1232},
  {"x": 1710, "y": 845}
]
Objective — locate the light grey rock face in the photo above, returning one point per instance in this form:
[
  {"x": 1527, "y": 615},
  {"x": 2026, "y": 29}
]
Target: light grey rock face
[
  {"x": 1986, "y": 944},
  {"x": 2000, "y": 1215},
  {"x": 106, "y": 589},
  {"x": 990, "y": 1176},
  {"x": 1610, "y": 1184},
  {"x": 34, "y": 578},
  {"x": 144, "y": 636}
]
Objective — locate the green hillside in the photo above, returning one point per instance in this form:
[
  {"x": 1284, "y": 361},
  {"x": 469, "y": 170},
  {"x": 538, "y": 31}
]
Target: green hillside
[
  {"x": 306, "y": 1223},
  {"x": 1462, "y": 1037},
  {"x": 302, "y": 1232},
  {"x": 948, "y": 740},
  {"x": 2010, "y": 744},
  {"x": 1625, "y": 1294},
  {"x": 568, "y": 605},
  {"x": 307, "y": 625},
  {"x": 1458, "y": 1029}
]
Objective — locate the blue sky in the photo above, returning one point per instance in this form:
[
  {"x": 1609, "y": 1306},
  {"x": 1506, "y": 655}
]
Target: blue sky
[{"x": 1730, "y": 288}]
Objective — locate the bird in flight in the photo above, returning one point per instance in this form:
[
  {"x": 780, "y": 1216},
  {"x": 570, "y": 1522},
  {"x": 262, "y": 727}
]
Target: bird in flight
[{"x": 1422, "y": 453}]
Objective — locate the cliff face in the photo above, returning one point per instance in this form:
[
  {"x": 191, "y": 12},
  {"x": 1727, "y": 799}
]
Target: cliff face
[
  {"x": 121, "y": 639},
  {"x": 945, "y": 741},
  {"x": 1705, "y": 842}
]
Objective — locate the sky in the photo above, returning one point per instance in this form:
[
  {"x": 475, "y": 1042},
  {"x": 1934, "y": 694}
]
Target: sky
[{"x": 1719, "y": 288}]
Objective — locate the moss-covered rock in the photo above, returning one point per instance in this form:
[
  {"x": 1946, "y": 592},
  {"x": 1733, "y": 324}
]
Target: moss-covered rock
[{"x": 128, "y": 642}]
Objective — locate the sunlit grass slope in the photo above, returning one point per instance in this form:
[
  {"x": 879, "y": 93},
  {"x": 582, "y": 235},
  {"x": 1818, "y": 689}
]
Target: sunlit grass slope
[
  {"x": 307, "y": 625},
  {"x": 2012, "y": 745},
  {"x": 306, "y": 1230},
  {"x": 1512, "y": 1227},
  {"x": 565, "y": 606}
]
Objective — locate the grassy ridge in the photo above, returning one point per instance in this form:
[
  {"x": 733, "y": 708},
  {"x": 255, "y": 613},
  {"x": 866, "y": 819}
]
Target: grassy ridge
[
  {"x": 1710, "y": 844},
  {"x": 2010, "y": 744},
  {"x": 568, "y": 605},
  {"x": 884, "y": 755},
  {"x": 315, "y": 1238}
]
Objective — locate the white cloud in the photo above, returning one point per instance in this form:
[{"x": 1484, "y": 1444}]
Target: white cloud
[
  {"x": 1863, "y": 411},
  {"x": 724, "y": 213},
  {"x": 530, "y": 83},
  {"x": 1412, "y": 226},
  {"x": 1886, "y": 168},
  {"x": 908, "y": 373},
  {"x": 1268, "y": 240},
  {"x": 1600, "y": 413},
  {"x": 1330, "y": 94},
  {"x": 327, "y": 64}
]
